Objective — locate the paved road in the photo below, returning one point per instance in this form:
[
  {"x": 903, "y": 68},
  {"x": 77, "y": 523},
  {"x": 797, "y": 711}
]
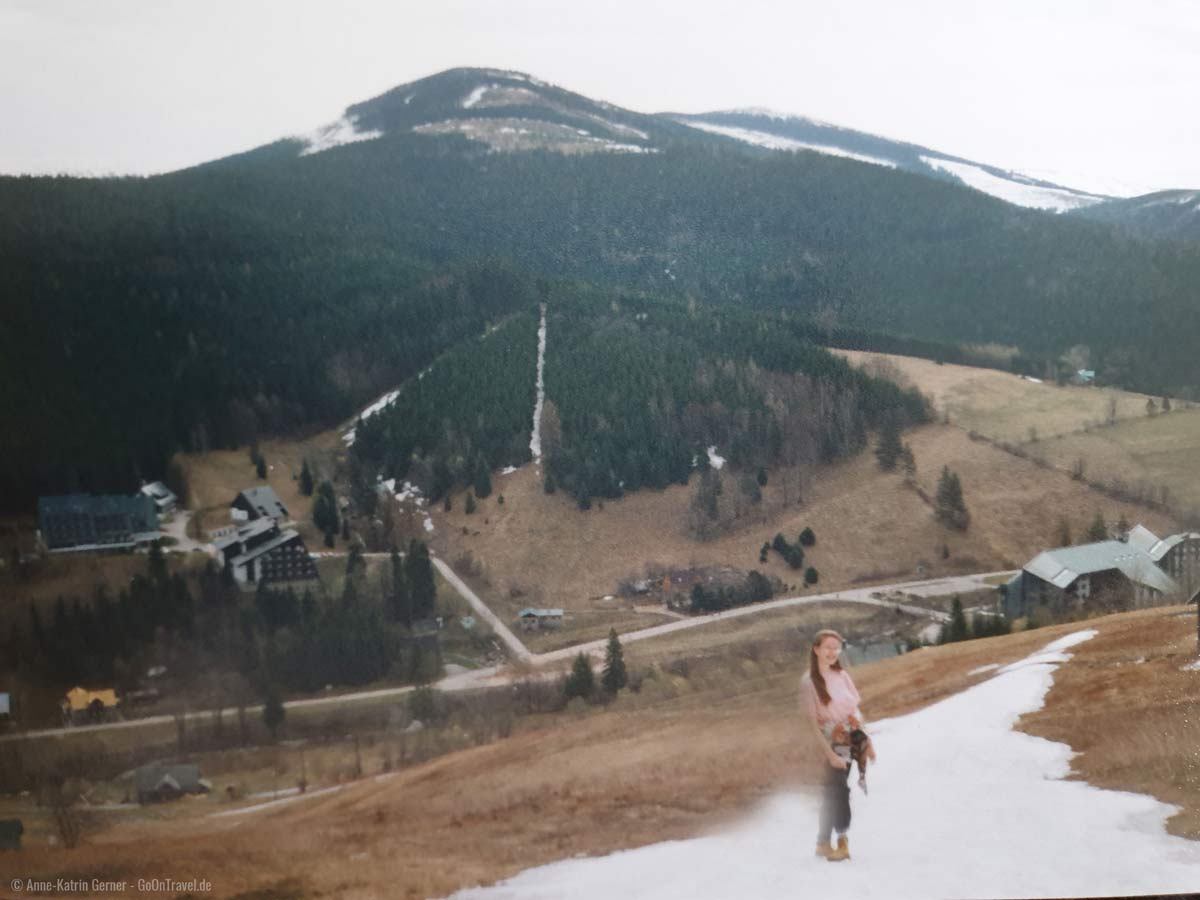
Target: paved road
[
  {"x": 493, "y": 676},
  {"x": 502, "y": 631}
]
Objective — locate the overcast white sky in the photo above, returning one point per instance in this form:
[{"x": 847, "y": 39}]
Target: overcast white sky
[{"x": 1096, "y": 95}]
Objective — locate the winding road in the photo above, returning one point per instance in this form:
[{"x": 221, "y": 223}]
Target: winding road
[{"x": 493, "y": 676}]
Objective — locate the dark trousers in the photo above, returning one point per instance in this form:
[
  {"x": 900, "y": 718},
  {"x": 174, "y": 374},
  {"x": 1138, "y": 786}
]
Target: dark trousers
[{"x": 835, "y": 803}]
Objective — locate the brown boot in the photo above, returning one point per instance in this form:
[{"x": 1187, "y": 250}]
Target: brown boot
[
  {"x": 843, "y": 848},
  {"x": 825, "y": 850}
]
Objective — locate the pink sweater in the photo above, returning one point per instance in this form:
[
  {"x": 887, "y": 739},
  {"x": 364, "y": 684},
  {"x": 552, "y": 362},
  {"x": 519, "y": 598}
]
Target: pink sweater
[{"x": 843, "y": 700}]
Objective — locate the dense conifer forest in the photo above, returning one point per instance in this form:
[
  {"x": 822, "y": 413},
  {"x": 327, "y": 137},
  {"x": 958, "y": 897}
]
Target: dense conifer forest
[{"x": 637, "y": 389}]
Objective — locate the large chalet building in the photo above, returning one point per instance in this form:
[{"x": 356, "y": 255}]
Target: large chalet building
[
  {"x": 1142, "y": 568},
  {"x": 261, "y": 551},
  {"x": 86, "y": 521}
]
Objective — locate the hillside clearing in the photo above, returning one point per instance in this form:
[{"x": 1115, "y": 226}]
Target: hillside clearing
[{"x": 540, "y": 550}]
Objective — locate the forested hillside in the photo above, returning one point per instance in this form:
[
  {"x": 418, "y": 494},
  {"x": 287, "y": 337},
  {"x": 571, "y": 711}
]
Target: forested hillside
[
  {"x": 636, "y": 389},
  {"x": 273, "y": 290}
]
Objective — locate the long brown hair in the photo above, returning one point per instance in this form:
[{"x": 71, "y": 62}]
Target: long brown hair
[{"x": 814, "y": 668}]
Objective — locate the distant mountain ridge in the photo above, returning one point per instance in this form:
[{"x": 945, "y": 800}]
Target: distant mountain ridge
[
  {"x": 783, "y": 132},
  {"x": 513, "y": 111}
]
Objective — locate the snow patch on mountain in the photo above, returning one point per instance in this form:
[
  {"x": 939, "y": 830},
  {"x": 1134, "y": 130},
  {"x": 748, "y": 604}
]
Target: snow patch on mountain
[
  {"x": 343, "y": 131},
  {"x": 516, "y": 134},
  {"x": 1016, "y": 189},
  {"x": 378, "y": 406},
  {"x": 779, "y": 142},
  {"x": 476, "y": 95}
]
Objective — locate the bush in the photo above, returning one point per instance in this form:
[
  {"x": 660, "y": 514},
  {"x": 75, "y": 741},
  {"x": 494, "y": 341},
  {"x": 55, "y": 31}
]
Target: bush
[{"x": 808, "y": 538}]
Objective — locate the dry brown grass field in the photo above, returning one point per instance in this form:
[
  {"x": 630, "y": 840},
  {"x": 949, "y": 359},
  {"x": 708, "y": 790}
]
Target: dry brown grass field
[
  {"x": 216, "y": 477},
  {"x": 1139, "y": 450},
  {"x": 1001, "y": 405},
  {"x": 1158, "y": 451},
  {"x": 78, "y": 575},
  {"x": 656, "y": 766},
  {"x": 540, "y": 550}
]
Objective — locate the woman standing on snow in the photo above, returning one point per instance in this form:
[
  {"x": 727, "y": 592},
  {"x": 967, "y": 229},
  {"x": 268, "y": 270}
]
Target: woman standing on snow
[{"x": 829, "y": 699}]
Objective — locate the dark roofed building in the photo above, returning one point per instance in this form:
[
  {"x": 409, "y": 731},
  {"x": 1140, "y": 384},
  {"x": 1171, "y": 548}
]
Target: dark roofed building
[
  {"x": 84, "y": 520},
  {"x": 261, "y": 502},
  {"x": 156, "y": 782},
  {"x": 262, "y": 551}
]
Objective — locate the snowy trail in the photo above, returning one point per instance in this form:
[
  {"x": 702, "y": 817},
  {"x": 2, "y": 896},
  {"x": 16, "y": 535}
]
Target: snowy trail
[
  {"x": 960, "y": 806},
  {"x": 535, "y": 440}
]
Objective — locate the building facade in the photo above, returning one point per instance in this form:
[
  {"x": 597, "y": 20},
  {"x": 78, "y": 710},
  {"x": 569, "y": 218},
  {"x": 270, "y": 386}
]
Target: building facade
[{"x": 85, "y": 521}]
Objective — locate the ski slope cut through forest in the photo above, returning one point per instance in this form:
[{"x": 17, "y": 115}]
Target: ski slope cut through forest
[
  {"x": 960, "y": 805},
  {"x": 535, "y": 440}
]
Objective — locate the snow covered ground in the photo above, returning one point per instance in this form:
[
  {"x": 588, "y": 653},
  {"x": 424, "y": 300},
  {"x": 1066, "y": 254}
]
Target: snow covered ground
[
  {"x": 343, "y": 131},
  {"x": 1014, "y": 191},
  {"x": 535, "y": 439},
  {"x": 779, "y": 142},
  {"x": 378, "y": 406},
  {"x": 960, "y": 805}
]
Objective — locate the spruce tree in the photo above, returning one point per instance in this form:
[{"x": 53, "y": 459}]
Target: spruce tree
[
  {"x": 958, "y": 630},
  {"x": 325, "y": 511},
  {"x": 469, "y": 507},
  {"x": 306, "y": 479},
  {"x": 1122, "y": 527},
  {"x": 260, "y": 466},
  {"x": 421, "y": 586},
  {"x": 889, "y": 449},
  {"x": 1097, "y": 531},
  {"x": 810, "y": 575},
  {"x": 808, "y": 537},
  {"x": 614, "y": 677},
  {"x": 949, "y": 507},
  {"x": 483, "y": 480},
  {"x": 582, "y": 680}
]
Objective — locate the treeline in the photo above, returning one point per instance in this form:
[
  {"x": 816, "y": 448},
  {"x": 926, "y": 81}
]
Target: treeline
[
  {"x": 289, "y": 638},
  {"x": 637, "y": 389},
  {"x": 755, "y": 589},
  {"x": 637, "y": 392},
  {"x": 470, "y": 413}
]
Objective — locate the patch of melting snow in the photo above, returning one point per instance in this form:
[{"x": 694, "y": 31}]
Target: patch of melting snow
[
  {"x": 535, "y": 439},
  {"x": 371, "y": 410},
  {"x": 508, "y": 470},
  {"x": 909, "y": 839},
  {"x": 1191, "y": 667},
  {"x": 477, "y": 94},
  {"x": 982, "y": 669},
  {"x": 1011, "y": 190},
  {"x": 779, "y": 142},
  {"x": 714, "y": 459},
  {"x": 428, "y": 523},
  {"x": 343, "y": 131}
]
